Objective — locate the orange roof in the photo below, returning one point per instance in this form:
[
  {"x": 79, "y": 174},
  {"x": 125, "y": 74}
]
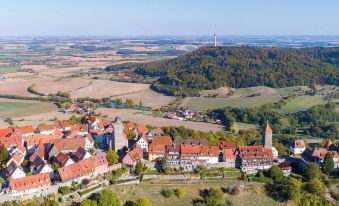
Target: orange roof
[
  {"x": 6, "y": 132},
  {"x": 227, "y": 145},
  {"x": 136, "y": 153},
  {"x": 82, "y": 167},
  {"x": 164, "y": 140},
  {"x": 29, "y": 182},
  {"x": 10, "y": 142},
  {"x": 257, "y": 151},
  {"x": 36, "y": 139},
  {"x": 25, "y": 129},
  {"x": 69, "y": 144},
  {"x": 62, "y": 159},
  {"x": 230, "y": 153},
  {"x": 157, "y": 149},
  {"x": 267, "y": 128},
  {"x": 209, "y": 151},
  {"x": 142, "y": 128}
]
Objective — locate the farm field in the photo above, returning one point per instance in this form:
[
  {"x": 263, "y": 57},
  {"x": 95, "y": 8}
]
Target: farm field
[
  {"x": 23, "y": 108},
  {"x": 301, "y": 103},
  {"x": 146, "y": 118},
  {"x": 254, "y": 196},
  {"x": 203, "y": 103},
  {"x": 8, "y": 69}
]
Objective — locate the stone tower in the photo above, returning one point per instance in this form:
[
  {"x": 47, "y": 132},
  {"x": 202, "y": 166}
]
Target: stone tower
[
  {"x": 267, "y": 136},
  {"x": 118, "y": 139}
]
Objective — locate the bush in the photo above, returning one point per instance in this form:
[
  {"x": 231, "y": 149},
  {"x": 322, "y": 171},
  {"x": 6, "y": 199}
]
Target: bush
[
  {"x": 179, "y": 192},
  {"x": 142, "y": 202},
  {"x": 64, "y": 190},
  {"x": 315, "y": 186},
  {"x": 167, "y": 193},
  {"x": 236, "y": 190}
]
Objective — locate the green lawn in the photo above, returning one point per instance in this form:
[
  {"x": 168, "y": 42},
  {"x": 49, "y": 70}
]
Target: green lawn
[
  {"x": 9, "y": 69},
  {"x": 238, "y": 102},
  {"x": 23, "y": 108},
  {"x": 301, "y": 103},
  {"x": 253, "y": 197}
]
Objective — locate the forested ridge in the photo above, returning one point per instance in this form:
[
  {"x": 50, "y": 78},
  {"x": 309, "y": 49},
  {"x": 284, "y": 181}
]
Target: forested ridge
[{"x": 214, "y": 67}]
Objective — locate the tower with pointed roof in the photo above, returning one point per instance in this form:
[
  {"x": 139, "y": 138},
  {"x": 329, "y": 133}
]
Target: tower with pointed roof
[
  {"x": 267, "y": 136},
  {"x": 118, "y": 138}
]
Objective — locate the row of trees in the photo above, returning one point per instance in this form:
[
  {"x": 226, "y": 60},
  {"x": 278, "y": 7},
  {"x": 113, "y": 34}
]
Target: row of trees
[{"x": 316, "y": 121}]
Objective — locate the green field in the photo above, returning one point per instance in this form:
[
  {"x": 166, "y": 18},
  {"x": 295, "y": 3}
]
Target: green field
[
  {"x": 23, "y": 108},
  {"x": 203, "y": 103},
  {"x": 301, "y": 103},
  {"x": 8, "y": 69},
  {"x": 254, "y": 196}
]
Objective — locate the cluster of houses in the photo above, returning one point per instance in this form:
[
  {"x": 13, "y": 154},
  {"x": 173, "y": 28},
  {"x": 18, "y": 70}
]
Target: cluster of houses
[
  {"x": 185, "y": 114},
  {"x": 62, "y": 153},
  {"x": 186, "y": 155}
]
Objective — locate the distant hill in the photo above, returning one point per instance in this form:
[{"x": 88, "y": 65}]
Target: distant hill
[{"x": 214, "y": 67}]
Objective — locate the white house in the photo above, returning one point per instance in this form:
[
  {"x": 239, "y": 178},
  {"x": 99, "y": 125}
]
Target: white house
[
  {"x": 29, "y": 186},
  {"x": 143, "y": 143},
  {"x": 298, "y": 147},
  {"x": 14, "y": 171}
]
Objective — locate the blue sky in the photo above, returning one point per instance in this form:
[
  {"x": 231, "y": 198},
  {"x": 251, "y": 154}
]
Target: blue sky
[{"x": 170, "y": 17}]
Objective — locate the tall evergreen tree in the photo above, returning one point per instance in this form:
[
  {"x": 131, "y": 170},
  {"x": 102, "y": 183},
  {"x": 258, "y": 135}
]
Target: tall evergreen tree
[{"x": 328, "y": 166}]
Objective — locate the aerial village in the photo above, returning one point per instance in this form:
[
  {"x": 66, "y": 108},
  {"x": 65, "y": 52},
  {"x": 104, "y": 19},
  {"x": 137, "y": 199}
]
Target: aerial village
[{"x": 43, "y": 159}]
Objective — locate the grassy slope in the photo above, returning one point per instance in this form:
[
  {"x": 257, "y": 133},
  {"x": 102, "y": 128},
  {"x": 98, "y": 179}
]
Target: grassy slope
[
  {"x": 301, "y": 103},
  {"x": 255, "y": 196}
]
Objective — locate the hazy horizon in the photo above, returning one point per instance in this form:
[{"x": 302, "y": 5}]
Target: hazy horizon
[{"x": 169, "y": 18}]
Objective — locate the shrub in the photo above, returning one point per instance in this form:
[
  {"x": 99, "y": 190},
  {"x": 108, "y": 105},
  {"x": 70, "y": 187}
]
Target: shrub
[
  {"x": 179, "y": 192},
  {"x": 167, "y": 193},
  {"x": 64, "y": 190}
]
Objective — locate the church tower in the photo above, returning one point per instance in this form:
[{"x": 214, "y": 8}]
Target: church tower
[
  {"x": 267, "y": 136},
  {"x": 118, "y": 139}
]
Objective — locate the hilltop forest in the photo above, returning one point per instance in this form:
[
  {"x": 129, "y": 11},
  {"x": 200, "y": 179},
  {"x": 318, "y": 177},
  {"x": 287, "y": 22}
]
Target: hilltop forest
[{"x": 214, "y": 67}]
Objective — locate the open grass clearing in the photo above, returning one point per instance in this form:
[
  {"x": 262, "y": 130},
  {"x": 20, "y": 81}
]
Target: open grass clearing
[
  {"x": 238, "y": 102},
  {"x": 253, "y": 196},
  {"x": 8, "y": 69},
  {"x": 301, "y": 103},
  {"x": 24, "y": 108}
]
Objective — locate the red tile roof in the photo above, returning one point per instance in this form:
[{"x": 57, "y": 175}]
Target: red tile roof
[
  {"x": 6, "y": 132},
  {"x": 25, "y": 129},
  {"x": 141, "y": 129},
  {"x": 230, "y": 153},
  {"x": 252, "y": 152},
  {"x": 36, "y": 139},
  {"x": 62, "y": 159},
  {"x": 164, "y": 140},
  {"x": 30, "y": 182},
  {"x": 82, "y": 167},
  {"x": 227, "y": 145},
  {"x": 69, "y": 144},
  {"x": 136, "y": 153},
  {"x": 10, "y": 142}
]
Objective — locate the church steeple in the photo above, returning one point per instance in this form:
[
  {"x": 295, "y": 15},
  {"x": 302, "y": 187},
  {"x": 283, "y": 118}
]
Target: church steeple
[{"x": 267, "y": 136}]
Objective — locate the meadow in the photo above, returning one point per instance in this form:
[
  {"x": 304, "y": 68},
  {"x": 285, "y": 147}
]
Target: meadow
[
  {"x": 253, "y": 196},
  {"x": 203, "y": 103},
  {"x": 19, "y": 108},
  {"x": 301, "y": 103}
]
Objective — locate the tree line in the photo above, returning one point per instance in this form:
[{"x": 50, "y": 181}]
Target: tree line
[{"x": 214, "y": 67}]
